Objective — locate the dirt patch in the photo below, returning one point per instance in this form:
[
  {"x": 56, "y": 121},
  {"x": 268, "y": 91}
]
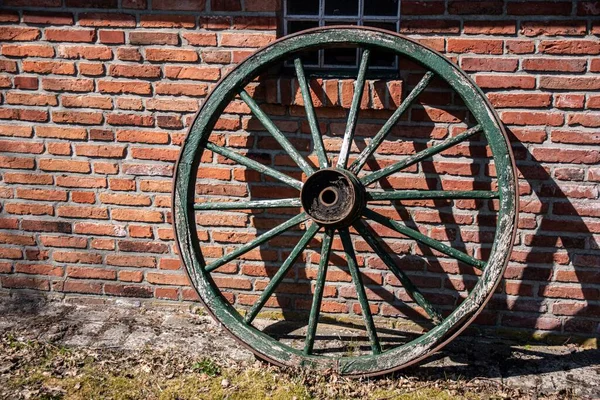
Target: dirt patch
[{"x": 127, "y": 351}]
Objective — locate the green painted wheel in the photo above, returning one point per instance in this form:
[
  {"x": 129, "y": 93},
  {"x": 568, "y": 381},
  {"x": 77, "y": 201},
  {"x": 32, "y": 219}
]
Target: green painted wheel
[{"x": 338, "y": 199}]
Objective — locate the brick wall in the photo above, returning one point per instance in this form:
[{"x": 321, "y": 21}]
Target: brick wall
[{"x": 97, "y": 96}]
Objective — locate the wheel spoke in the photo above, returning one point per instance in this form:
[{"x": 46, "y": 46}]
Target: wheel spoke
[
  {"x": 389, "y": 124},
  {"x": 433, "y": 150},
  {"x": 283, "y": 270},
  {"x": 256, "y": 242},
  {"x": 245, "y": 205},
  {"x": 431, "y": 195},
  {"x": 318, "y": 295},
  {"x": 372, "y": 240},
  {"x": 360, "y": 291},
  {"x": 276, "y": 133},
  {"x": 310, "y": 114},
  {"x": 255, "y": 165},
  {"x": 353, "y": 113},
  {"x": 421, "y": 238}
]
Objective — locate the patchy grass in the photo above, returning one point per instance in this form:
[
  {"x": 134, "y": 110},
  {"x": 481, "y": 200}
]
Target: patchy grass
[{"x": 35, "y": 370}]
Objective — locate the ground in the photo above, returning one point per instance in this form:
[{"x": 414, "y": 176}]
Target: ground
[{"x": 128, "y": 350}]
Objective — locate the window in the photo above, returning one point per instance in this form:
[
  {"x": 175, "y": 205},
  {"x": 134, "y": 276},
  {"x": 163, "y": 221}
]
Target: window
[{"x": 304, "y": 14}]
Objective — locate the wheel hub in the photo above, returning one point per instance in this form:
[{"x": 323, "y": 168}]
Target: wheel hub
[{"x": 332, "y": 197}]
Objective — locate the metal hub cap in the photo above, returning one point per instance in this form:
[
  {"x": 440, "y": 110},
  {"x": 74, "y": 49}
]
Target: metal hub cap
[{"x": 332, "y": 197}]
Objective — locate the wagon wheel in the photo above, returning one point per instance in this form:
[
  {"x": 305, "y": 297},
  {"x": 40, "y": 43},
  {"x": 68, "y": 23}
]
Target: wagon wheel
[{"x": 337, "y": 198}]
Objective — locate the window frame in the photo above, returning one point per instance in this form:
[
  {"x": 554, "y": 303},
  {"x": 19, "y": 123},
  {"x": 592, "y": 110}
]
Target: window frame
[{"x": 324, "y": 69}]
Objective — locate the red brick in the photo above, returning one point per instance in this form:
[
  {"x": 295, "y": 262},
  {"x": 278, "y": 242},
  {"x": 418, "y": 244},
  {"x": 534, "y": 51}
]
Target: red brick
[
  {"x": 489, "y": 64},
  {"x": 16, "y": 162},
  {"x": 16, "y": 131},
  {"x": 554, "y": 64},
  {"x": 26, "y": 283},
  {"x": 494, "y": 7},
  {"x": 29, "y": 179},
  {"x": 27, "y": 50},
  {"x": 586, "y": 119},
  {"x": 42, "y": 194},
  {"x": 179, "y": 5},
  {"x": 64, "y": 165},
  {"x": 31, "y": 99},
  {"x": 194, "y": 73},
  {"x": 70, "y": 35},
  {"x": 47, "y": 18},
  {"x": 49, "y": 67},
  {"x": 68, "y": 84},
  {"x": 13, "y": 146},
  {"x": 121, "y": 87},
  {"x": 479, "y": 46},
  {"x": 129, "y": 54},
  {"x": 201, "y": 39},
  {"x": 91, "y": 69},
  {"x": 91, "y": 273},
  {"x": 245, "y": 40},
  {"x": 559, "y": 155},
  {"x": 111, "y": 37},
  {"x": 262, "y": 5},
  {"x": 570, "y": 82},
  {"x": 29, "y": 209},
  {"x": 516, "y": 100},
  {"x": 111, "y": 20},
  {"x": 82, "y": 287},
  {"x": 142, "y": 137},
  {"x": 134, "y": 71},
  {"x": 171, "y": 55},
  {"x": 579, "y": 47},
  {"x": 505, "y": 81},
  {"x": 87, "y": 52},
  {"x": 85, "y": 228},
  {"x": 18, "y": 34},
  {"x": 146, "y": 38},
  {"x": 58, "y": 132},
  {"x": 167, "y": 21},
  {"x": 131, "y": 276},
  {"x": 553, "y": 28},
  {"x": 539, "y": 8}
]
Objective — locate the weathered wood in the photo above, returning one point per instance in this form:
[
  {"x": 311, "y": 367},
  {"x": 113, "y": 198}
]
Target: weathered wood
[
  {"x": 315, "y": 308},
  {"x": 281, "y": 272},
  {"x": 276, "y": 133},
  {"x": 426, "y": 240},
  {"x": 373, "y": 240},
  {"x": 431, "y": 151},
  {"x": 359, "y": 88},
  {"x": 268, "y": 347},
  {"x": 360, "y": 291},
  {"x": 257, "y": 242},
  {"x": 360, "y": 161},
  {"x": 246, "y": 205},
  {"x": 255, "y": 165},
  {"x": 310, "y": 115},
  {"x": 431, "y": 195}
]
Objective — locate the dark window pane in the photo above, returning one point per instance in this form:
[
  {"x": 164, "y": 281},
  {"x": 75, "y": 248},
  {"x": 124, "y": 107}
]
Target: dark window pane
[
  {"x": 303, "y": 7},
  {"x": 307, "y": 57},
  {"x": 390, "y": 26},
  {"x": 340, "y": 57},
  {"x": 382, "y": 58},
  {"x": 341, "y": 7},
  {"x": 381, "y": 7},
  {"x": 297, "y": 26}
]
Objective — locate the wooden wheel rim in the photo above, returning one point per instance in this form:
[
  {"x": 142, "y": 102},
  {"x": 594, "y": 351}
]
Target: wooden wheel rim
[{"x": 183, "y": 197}]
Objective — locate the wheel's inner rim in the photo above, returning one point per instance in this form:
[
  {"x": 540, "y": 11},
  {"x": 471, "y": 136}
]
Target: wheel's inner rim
[
  {"x": 332, "y": 198},
  {"x": 501, "y": 211}
]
